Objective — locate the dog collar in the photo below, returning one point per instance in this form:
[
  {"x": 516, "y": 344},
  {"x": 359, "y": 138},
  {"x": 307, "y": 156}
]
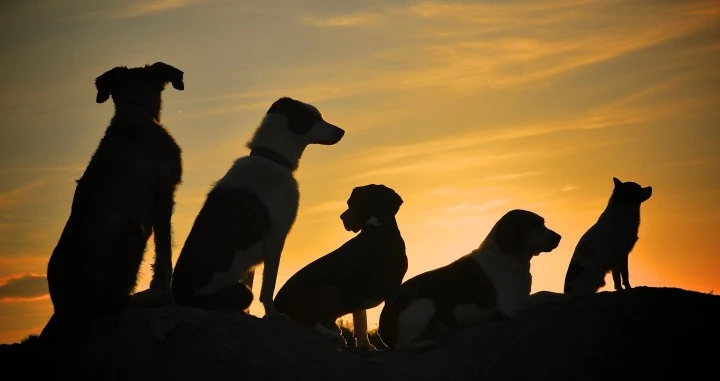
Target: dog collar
[{"x": 272, "y": 156}]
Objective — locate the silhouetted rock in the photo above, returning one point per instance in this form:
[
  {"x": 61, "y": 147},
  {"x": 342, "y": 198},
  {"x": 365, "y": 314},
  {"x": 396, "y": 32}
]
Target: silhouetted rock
[{"x": 643, "y": 332}]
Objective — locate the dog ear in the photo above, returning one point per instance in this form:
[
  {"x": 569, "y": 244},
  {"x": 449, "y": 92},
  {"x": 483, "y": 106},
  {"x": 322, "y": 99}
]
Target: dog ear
[
  {"x": 167, "y": 73},
  {"x": 394, "y": 202},
  {"x": 106, "y": 82},
  {"x": 616, "y": 181},
  {"x": 509, "y": 234}
]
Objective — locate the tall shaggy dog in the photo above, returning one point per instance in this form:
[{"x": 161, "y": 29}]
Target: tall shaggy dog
[
  {"x": 249, "y": 212},
  {"x": 362, "y": 273},
  {"x": 606, "y": 246},
  {"x": 125, "y": 195}
]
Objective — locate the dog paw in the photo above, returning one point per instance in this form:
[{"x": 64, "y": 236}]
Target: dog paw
[
  {"x": 366, "y": 345},
  {"x": 277, "y": 316},
  {"x": 153, "y": 297},
  {"x": 160, "y": 283}
]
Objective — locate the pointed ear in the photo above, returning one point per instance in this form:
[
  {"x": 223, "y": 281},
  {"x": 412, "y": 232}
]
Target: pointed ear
[
  {"x": 616, "y": 181},
  {"x": 105, "y": 83},
  {"x": 167, "y": 73}
]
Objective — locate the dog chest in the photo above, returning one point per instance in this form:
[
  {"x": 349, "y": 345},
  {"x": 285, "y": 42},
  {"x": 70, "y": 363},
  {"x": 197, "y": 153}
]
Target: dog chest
[
  {"x": 274, "y": 185},
  {"x": 511, "y": 281}
]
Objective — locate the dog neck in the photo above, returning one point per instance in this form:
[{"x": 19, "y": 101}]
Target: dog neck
[
  {"x": 274, "y": 141},
  {"x": 373, "y": 221},
  {"x": 135, "y": 108},
  {"x": 271, "y": 155},
  {"x": 490, "y": 252}
]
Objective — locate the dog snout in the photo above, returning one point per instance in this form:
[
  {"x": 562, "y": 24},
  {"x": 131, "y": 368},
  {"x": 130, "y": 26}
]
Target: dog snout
[
  {"x": 349, "y": 221},
  {"x": 554, "y": 239},
  {"x": 338, "y": 134}
]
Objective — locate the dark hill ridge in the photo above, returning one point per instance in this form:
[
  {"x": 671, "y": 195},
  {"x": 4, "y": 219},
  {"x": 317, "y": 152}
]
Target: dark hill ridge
[{"x": 636, "y": 334}]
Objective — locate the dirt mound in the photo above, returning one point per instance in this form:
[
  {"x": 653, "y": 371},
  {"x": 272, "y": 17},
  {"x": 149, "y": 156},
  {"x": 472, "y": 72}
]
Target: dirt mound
[{"x": 638, "y": 333}]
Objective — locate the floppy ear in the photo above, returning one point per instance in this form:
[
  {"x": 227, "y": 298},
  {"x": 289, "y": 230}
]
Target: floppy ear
[
  {"x": 616, "y": 181},
  {"x": 394, "y": 202},
  {"x": 168, "y": 73},
  {"x": 105, "y": 83},
  {"x": 509, "y": 235}
]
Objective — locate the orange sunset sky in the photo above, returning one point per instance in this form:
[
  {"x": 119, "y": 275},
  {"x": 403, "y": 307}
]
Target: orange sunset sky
[{"x": 466, "y": 108}]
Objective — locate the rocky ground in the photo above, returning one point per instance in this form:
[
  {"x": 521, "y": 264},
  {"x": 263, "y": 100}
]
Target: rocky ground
[{"x": 641, "y": 333}]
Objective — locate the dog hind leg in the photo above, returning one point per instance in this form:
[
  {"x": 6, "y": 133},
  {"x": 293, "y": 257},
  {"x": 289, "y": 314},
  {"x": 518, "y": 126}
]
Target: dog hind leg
[
  {"x": 413, "y": 322},
  {"x": 331, "y": 330},
  {"x": 248, "y": 279},
  {"x": 237, "y": 297}
]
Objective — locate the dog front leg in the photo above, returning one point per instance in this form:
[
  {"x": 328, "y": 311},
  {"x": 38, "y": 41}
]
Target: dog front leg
[
  {"x": 543, "y": 298},
  {"x": 616, "y": 277},
  {"x": 360, "y": 330},
  {"x": 624, "y": 271},
  {"x": 162, "y": 228},
  {"x": 271, "y": 254}
]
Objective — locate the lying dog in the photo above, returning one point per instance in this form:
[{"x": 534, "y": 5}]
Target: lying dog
[
  {"x": 125, "y": 194},
  {"x": 606, "y": 246},
  {"x": 492, "y": 281},
  {"x": 360, "y": 274},
  {"x": 249, "y": 212}
]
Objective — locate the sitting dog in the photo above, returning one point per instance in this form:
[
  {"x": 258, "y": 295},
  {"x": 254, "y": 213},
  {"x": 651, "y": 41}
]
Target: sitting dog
[
  {"x": 606, "y": 246},
  {"x": 125, "y": 194},
  {"x": 492, "y": 281},
  {"x": 359, "y": 275},
  {"x": 249, "y": 212}
]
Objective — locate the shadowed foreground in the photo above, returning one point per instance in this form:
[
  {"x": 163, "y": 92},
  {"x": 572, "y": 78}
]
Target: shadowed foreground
[{"x": 621, "y": 335}]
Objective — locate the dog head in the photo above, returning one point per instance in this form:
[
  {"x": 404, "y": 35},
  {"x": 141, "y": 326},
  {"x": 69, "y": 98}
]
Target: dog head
[
  {"x": 139, "y": 86},
  {"x": 629, "y": 193},
  {"x": 370, "y": 204},
  {"x": 523, "y": 234},
  {"x": 304, "y": 119}
]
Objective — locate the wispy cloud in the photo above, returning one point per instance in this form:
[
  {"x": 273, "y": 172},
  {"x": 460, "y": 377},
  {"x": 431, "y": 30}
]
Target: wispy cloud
[
  {"x": 480, "y": 45},
  {"x": 476, "y": 208},
  {"x": 15, "y": 196},
  {"x": 42, "y": 169},
  {"x": 355, "y": 19},
  {"x": 23, "y": 287},
  {"x": 513, "y": 176},
  {"x": 143, "y": 8}
]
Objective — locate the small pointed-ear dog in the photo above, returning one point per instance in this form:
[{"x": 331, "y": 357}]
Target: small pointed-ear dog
[
  {"x": 606, "y": 246},
  {"x": 491, "y": 282},
  {"x": 362, "y": 273},
  {"x": 125, "y": 194},
  {"x": 249, "y": 212}
]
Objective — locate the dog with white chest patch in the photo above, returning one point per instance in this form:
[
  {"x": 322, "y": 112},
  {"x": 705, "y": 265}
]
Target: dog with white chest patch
[
  {"x": 492, "y": 281},
  {"x": 249, "y": 212},
  {"x": 606, "y": 246},
  {"x": 362, "y": 273}
]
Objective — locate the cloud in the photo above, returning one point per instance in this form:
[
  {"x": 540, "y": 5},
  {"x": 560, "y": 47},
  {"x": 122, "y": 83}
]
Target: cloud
[
  {"x": 513, "y": 176},
  {"x": 16, "y": 196},
  {"x": 471, "y": 45},
  {"x": 476, "y": 208},
  {"x": 356, "y": 19},
  {"x": 143, "y": 8},
  {"x": 23, "y": 287}
]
